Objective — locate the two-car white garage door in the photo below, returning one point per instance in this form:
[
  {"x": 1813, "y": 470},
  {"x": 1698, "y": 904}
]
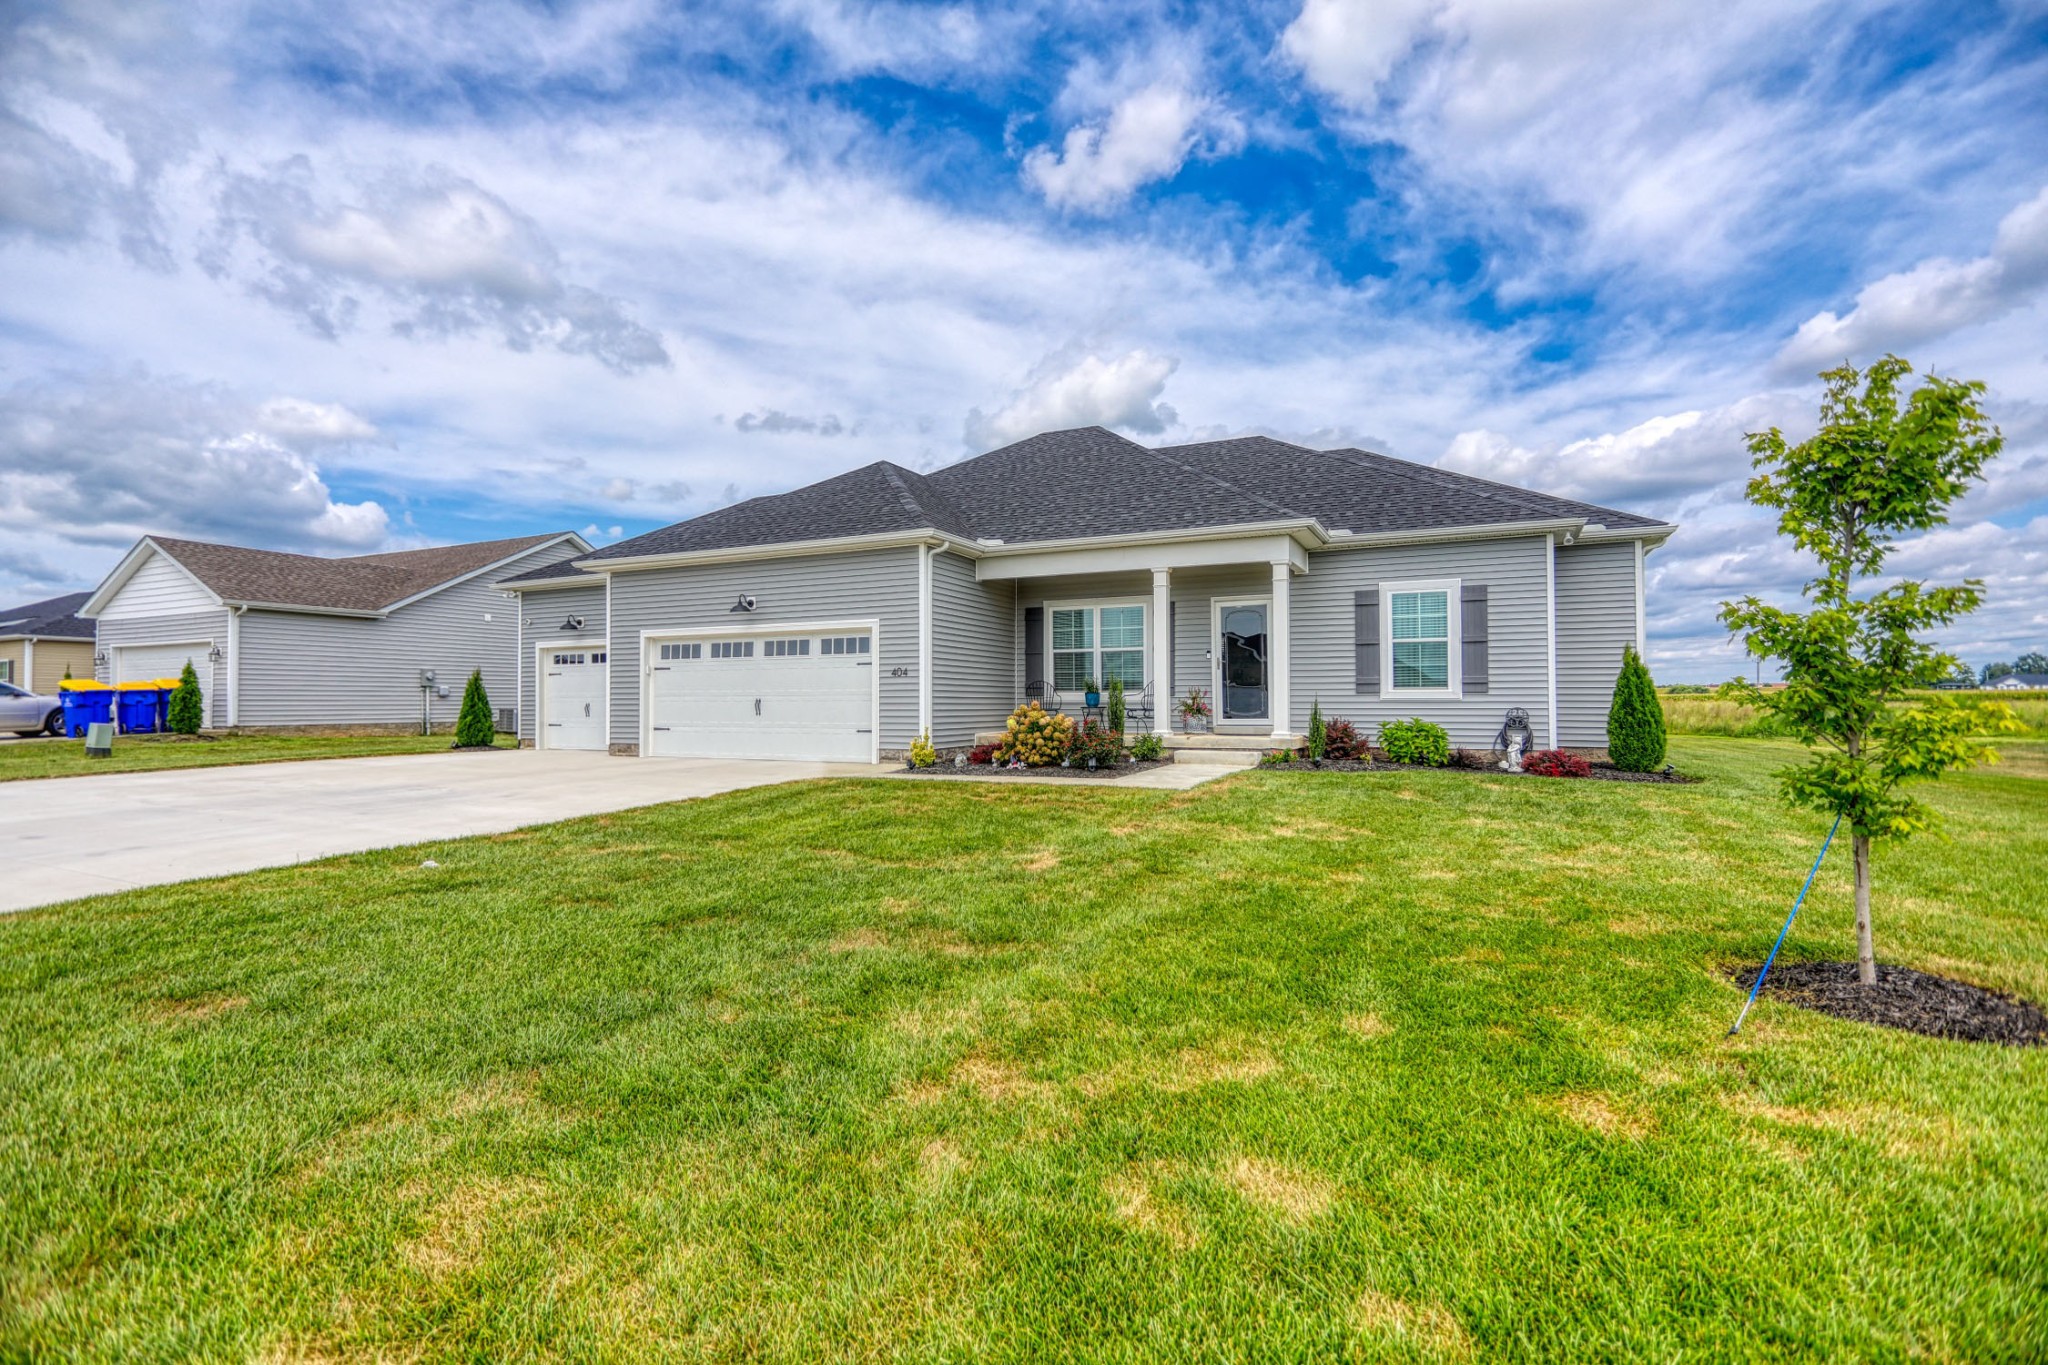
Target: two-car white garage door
[{"x": 787, "y": 695}]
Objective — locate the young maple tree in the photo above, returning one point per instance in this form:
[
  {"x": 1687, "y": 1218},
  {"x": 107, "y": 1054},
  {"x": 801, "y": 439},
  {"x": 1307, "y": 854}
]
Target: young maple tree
[{"x": 1873, "y": 470}]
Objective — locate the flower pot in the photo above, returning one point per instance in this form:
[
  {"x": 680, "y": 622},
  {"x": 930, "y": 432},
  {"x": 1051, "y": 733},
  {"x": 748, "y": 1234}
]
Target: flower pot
[{"x": 1094, "y": 698}]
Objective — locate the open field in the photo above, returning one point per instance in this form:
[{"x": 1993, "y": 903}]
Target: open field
[
  {"x": 1694, "y": 713},
  {"x": 25, "y": 758},
  {"x": 1292, "y": 1066}
]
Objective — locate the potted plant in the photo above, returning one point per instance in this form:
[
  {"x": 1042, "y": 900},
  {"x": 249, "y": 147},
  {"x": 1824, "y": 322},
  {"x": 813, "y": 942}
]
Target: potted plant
[
  {"x": 1194, "y": 711},
  {"x": 1092, "y": 692}
]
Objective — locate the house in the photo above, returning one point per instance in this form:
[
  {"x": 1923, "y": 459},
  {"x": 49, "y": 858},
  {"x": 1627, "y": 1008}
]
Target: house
[
  {"x": 43, "y": 642},
  {"x": 2018, "y": 682},
  {"x": 283, "y": 641},
  {"x": 843, "y": 619}
]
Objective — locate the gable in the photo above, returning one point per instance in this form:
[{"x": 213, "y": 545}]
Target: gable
[{"x": 158, "y": 588}]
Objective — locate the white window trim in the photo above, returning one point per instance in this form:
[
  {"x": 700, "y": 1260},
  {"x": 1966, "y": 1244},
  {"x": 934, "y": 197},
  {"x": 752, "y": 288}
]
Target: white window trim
[
  {"x": 1096, "y": 604},
  {"x": 1454, "y": 612}
]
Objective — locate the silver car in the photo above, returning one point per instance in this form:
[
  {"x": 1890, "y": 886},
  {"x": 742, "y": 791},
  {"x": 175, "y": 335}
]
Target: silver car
[{"x": 26, "y": 713}]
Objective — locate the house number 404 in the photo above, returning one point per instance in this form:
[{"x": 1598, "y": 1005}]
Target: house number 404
[{"x": 899, "y": 672}]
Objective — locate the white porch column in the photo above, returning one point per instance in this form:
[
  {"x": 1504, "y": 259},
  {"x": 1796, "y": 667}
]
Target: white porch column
[
  {"x": 925, "y": 554},
  {"x": 1280, "y": 649},
  {"x": 1162, "y": 651}
]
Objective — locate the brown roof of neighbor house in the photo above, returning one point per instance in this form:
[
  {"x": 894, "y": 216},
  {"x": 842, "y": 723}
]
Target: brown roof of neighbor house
[{"x": 364, "y": 583}]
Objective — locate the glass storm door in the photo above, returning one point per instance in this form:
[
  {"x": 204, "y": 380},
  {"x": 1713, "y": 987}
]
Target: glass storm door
[{"x": 1242, "y": 627}]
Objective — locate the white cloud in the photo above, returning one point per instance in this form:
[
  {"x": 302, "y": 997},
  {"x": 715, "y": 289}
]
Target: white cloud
[
  {"x": 1147, "y": 137},
  {"x": 1122, "y": 392},
  {"x": 300, "y": 422},
  {"x": 1932, "y": 299},
  {"x": 1348, "y": 48},
  {"x": 451, "y": 256},
  {"x": 99, "y": 463}
]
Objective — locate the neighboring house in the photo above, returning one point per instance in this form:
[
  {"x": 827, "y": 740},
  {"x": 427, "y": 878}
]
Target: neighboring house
[
  {"x": 841, "y": 620},
  {"x": 42, "y": 640},
  {"x": 299, "y": 641},
  {"x": 2019, "y": 682}
]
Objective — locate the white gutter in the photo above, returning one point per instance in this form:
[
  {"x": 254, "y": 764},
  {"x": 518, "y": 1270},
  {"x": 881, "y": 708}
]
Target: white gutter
[
  {"x": 925, "y": 555},
  {"x": 235, "y": 667},
  {"x": 1550, "y": 634}
]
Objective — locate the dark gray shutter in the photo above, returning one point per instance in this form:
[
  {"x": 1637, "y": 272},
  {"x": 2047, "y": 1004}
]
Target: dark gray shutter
[
  {"x": 1365, "y": 639},
  {"x": 1034, "y": 647},
  {"x": 1475, "y": 638}
]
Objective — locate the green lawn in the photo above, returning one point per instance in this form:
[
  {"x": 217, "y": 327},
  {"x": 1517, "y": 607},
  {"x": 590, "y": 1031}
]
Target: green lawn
[
  {"x": 24, "y": 758},
  {"x": 1287, "y": 1067}
]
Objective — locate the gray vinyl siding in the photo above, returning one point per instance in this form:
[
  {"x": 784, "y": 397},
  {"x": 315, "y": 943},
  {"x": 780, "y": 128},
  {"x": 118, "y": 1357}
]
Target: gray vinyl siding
[
  {"x": 974, "y": 665},
  {"x": 170, "y": 630},
  {"x": 1518, "y": 636},
  {"x": 303, "y": 668},
  {"x": 547, "y": 609},
  {"x": 1596, "y": 619},
  {"x": 860, "y": 584}
]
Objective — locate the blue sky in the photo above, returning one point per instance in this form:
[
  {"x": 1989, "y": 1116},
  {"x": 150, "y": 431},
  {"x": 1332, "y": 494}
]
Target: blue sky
[{"x": 340, "y": 278}]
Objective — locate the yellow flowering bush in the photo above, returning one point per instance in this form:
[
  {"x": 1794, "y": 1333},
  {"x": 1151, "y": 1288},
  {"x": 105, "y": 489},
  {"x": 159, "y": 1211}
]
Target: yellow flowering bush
[
  {"x": 1036, "y": 737},
  {"x": 922, "y": 754}
]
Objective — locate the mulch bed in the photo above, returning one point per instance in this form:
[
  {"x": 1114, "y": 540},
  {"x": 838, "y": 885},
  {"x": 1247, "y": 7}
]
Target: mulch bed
[
  {"x": 1602, "y": 772},
  {"x": 945, "y": 769},
  {"x": 1917, "y": 1002}
]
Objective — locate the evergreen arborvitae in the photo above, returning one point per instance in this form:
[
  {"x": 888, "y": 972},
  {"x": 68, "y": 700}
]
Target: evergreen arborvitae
[
  {"x": 1318, "y": 730},
  {"x": 188, "y": 706},
  {"x": 474, "y": 728},
  {"x": 1635, "y": 722}
]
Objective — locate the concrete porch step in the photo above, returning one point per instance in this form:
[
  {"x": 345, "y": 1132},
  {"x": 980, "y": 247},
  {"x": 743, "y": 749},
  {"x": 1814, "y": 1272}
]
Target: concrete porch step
[
  {"x": 1217, "y": 758},
  {"x": 1257, "y": 743}
]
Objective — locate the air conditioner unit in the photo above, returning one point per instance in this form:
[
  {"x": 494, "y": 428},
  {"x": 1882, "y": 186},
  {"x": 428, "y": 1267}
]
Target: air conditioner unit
[{"x": 508, "y": 720}]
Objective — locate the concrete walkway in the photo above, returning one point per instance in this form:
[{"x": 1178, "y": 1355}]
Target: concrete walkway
[{"x": 79, "y": 836}]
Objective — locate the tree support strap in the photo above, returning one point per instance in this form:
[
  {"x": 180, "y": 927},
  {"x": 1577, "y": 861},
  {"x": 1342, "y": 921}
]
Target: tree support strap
[{"x": 1736, "y": 1027}]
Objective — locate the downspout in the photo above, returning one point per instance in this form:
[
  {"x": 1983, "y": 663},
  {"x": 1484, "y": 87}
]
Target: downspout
[
  {"x": 1642, "y": 606},
  {"x": 1550, "y": 604},
  {"x": 27, "y": 681},
  {"x": 235, "y": 666},
  {"x": 925, "y": 555}
]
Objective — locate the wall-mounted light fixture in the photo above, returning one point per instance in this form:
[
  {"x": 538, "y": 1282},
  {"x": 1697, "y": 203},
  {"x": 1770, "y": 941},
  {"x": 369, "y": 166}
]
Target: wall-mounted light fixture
[
  {"x": 213, "y": 655},
  {"x": 573, "y": 624},
  {"x": 99, "y": 657},
  {"x": 746, "y": 603}
]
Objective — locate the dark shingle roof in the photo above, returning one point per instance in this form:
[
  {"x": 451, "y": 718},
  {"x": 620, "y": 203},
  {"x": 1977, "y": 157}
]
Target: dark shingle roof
[
  {"x": 365, "y": 583},
  {"x": 53, "y": 618},
  {"x": 1089, "y": 482}
]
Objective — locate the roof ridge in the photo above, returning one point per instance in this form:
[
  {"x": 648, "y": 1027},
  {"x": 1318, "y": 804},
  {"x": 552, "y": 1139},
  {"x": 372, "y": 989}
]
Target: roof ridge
[
  {"x": 1529, "y": 499},
  {"x": 894, "y": 475},
  {"x": 1158, "y": 453}
]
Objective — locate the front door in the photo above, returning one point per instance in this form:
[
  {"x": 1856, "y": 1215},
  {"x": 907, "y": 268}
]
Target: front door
[{"x": 1241, "y": 659}]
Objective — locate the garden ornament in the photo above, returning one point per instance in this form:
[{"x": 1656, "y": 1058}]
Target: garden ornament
[{"x": 1514, "y": 739}]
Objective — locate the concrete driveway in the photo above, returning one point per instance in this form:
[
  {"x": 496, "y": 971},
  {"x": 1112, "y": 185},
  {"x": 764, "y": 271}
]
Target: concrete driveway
[{"x": 80, "y": 836}]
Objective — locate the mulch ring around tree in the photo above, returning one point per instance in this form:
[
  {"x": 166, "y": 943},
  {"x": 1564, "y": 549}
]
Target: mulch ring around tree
[
  {"x": 1917, "y": 1002},
  {"x": 946, "y": 768}
]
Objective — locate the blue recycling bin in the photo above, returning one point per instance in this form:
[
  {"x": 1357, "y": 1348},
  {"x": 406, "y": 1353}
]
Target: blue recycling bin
[
  {"x": 140, "y": 708},
  {"x": 85, "y": 705}
]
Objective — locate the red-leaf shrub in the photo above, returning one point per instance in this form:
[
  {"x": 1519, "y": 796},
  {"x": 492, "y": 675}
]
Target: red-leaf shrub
[
  {"x": 1340, "y": 740},
  {"x": 1556, "y": 763},
  {"x": 982, "y": 753}
]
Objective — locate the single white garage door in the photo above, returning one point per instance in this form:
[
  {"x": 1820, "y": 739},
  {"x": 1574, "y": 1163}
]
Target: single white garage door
[
  {"x": 138, "y": 663},
  {"x": 572, "y": 693},
  {"x": 762, "y": 696}
]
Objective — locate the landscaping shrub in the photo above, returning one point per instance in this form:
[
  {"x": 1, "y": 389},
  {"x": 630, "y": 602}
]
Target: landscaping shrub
[
  {"x": 1415, "y": 741},
  {"x": 1096, "y": 741},
  {"x": 1274, "y": 757},
  {"x": 982, "y": 753},
  {"x": 1635, "y": 720},
  {"x": 1116, "y": 705},
  {"x": 922, "y": 754},
  {"x": 1341, "y": 740},
  {"x": 1556, "y": 763},
  {"x": 188, "y": 706},
  {"x": 1149, "y": 747},
  {"x": 474, "y": 728},
  {"x": 1035, "y": 736},
  {"x": 1318, "y": 732}
]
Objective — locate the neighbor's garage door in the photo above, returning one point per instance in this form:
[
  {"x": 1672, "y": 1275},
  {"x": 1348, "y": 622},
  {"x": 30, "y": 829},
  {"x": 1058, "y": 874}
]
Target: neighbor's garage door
[
  {"x": 762, "y": 696},
  {"x": 137, "y": 663},
  {"x": 573, "y": 698}
]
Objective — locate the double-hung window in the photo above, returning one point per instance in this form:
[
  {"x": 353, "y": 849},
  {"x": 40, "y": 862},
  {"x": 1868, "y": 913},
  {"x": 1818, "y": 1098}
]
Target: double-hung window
[
  {"x": 1421, "y": 625},
  {"x": 1100, "y": 643}
]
